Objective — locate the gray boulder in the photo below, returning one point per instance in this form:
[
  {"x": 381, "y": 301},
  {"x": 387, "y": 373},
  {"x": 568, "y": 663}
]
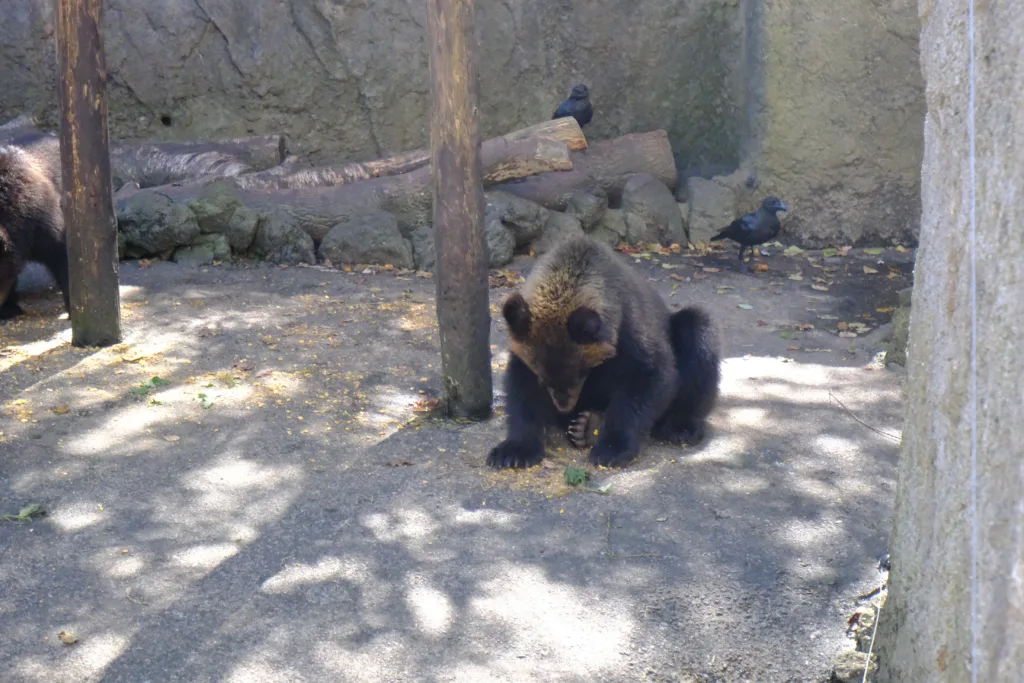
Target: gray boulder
[
  {"x": 194, "y": 256},
  {"x": 524, "y": 218},
  {"x": 423, "y": 253},
  {"x": 241, "y": 230},
  {"x": 587, "y": 205},
  {"x": 500, "y": 242},
  {"x": 897, "y": 349},
  {"x": 611, "y": 229},
  {"x": 152, "y": 225},
  {"x": 215, "y": 206},
  {"x": 638, "y": 231},
  {"x": 217, "y": 243},
  {"x": 712, "y": 206},
  {"x": 684, "y": 216},
  {"x": 559, "y": 227},
  {"x": 218, "y": 210},
  {"x": 203, "y": 251},
  {"x": 280, "y": 240},
  {"x": 367, "y": 237},
  {"x": 652, "y": 214}
]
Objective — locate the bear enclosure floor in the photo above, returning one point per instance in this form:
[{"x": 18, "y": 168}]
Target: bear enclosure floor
[{"x": 249, "y": 489}]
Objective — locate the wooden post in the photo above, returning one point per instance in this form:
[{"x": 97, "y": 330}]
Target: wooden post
[
  {"x": 463, "y": 313},
  {"x": 85, "y": 172}
]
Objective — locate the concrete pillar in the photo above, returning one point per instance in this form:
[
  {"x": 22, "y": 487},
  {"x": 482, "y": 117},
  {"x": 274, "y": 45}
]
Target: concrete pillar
[{"x": 938, "y": 624}]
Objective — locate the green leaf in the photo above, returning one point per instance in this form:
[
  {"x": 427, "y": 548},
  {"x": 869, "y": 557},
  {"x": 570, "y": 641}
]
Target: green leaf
[
  {"x": 26, "y": 513},
  {"x": 874, "y": 251},
  {"x": 574, "y": 476},
  {"x": 144, "y": 388},
  {"x": 829, "y": 253},
  {"x": 745, "y": 307},
  {"x": 793, "y": 251}
]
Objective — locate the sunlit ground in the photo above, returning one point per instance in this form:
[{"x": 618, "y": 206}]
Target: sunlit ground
[{"x": 250, "y": 487}]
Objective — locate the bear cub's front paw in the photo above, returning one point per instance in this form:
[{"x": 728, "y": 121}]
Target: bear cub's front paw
[
  {"x": 582, "y": 431},
  {"x": 614, "y": 451},
  {"x": 515, "y": 454}
]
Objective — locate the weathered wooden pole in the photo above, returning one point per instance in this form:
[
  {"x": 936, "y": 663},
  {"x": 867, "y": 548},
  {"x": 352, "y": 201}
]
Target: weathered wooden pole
[
  {"x": 463, "y": 315},
  {"x": 85, "y": 173}
]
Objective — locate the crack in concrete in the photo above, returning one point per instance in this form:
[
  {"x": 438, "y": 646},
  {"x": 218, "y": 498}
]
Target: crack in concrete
[
  {"x": 309, "y": 39},
  {"x": 365, "y": 106},
  {"x": 195, "y": 46},
  {"x": 227, "y": 43}
]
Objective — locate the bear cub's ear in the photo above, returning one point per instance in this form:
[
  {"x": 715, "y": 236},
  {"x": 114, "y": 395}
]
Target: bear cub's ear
[
  {"x": 517, "y": 315},
  {"x": 586, "y": 327}
]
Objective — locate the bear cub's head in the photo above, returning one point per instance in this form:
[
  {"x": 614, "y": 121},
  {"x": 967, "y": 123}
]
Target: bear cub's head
[{"x": 561, "y": 347}]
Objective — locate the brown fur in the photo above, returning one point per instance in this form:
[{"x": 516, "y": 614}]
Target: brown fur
[
  {"x": 582, "y": 273},
  {"x": 588, "y": 333},
  {"x": 31, "y": 217},
  {"x": 9, "y": 269}
]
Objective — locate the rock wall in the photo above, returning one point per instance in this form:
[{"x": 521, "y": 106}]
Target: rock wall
[
  {"x": 942, "y": 621},
  {"x": 824, "y": 105},
  {"x": 351, "y": 77}
]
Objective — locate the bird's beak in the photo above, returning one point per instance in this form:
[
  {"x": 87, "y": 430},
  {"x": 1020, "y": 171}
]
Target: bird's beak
[{"x": 783, "y": 206}]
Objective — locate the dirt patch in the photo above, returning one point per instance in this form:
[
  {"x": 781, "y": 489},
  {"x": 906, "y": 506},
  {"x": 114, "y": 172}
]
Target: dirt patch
[{"x": 255, "y": 459}]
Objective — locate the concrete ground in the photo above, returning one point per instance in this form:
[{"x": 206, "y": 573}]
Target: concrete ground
[{"x": 281, "y": 509}]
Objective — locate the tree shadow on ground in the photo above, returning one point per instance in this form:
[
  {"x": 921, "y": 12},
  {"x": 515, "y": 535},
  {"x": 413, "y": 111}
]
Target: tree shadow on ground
[{"x": 301, "y": 521}]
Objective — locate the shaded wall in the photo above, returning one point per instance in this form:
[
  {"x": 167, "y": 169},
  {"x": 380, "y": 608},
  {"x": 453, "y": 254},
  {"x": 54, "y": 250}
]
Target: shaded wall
[
  {"x": 351, "y": 78},
  {"x": 835, "y": 115},
  {"x": 825, "y": 104}
]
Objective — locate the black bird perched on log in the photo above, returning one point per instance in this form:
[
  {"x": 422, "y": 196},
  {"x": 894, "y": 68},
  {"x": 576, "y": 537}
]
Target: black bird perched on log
[
  {"x": 756, "y": 227},
  {"x": 577, "y": 106}
]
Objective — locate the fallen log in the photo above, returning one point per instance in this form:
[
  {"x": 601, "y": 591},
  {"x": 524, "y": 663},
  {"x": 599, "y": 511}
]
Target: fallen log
[
  {"x": 566, "y": 131},
  {"x": 608, "y": 163},
  {"x": 406, "y": 196},
  {"x": 281, "y": 177},
  {"x": 158, "y": 163},
  {"x": 150, "y": 164}
]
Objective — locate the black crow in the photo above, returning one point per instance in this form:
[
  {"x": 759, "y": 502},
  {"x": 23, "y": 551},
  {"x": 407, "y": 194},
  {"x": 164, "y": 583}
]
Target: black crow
[
  {"x": 756, "y": 227},
  {"x": 577, "y": 106}
]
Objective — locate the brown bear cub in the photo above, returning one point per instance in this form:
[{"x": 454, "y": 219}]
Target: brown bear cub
[
  {"x": 589, "y": 334},
  {"x": 31, "y": 224},
  {"x": 8, "y": 274}
]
